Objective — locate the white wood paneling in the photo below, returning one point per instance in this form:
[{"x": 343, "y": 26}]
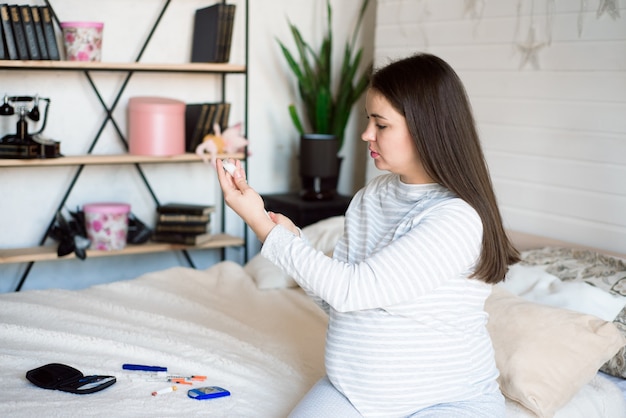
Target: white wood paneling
[{"x": 554, "y": 136}]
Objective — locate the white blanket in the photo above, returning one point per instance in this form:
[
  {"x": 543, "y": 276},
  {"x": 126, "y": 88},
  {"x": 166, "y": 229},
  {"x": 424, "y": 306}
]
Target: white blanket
[
  {"x": 266, "y": 350},
  {"x": 535, "y": 284}
]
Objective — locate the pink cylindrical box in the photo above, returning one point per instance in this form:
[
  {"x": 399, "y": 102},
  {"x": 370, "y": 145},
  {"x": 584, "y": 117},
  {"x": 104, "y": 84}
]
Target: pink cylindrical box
[
  {"x": 82, "y": 40},
  {"x": 156, "y": 126},
  {"x": 106, "y": 225}
]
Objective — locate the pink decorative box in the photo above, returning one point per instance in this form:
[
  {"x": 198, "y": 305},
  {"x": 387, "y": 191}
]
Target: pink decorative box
[
  {"x": 156, "y": 126},
  {"x": 106, "y": 225},
  {"x": 82, "y": 40}
]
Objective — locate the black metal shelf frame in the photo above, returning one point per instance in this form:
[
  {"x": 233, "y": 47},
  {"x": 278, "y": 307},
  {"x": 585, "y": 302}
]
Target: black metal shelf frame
[{"x": 109, "y": 118}]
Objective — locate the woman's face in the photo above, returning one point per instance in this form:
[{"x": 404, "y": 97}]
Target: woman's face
[{"x": 390, "y": 143}]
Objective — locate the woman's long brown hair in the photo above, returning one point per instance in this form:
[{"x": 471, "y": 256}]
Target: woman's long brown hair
[{"x": 432, "y": 98}]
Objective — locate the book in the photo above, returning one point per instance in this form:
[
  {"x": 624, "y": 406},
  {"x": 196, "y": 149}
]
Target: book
[
  {"x": 227, "y": 35},
  {"x": 195, "y": 115},
  {"x": 225, "y": 116},
  {"x": 214, "y": 116},
  {"x": 182, "y": 228},
  {"x": 209, "y": 23},
  {"x": 29, "y": 33},
  {"x": 41, "y": 38},
  {"x": 49, "y": 33},
  {"x": 4, "y": 54},
  {"x": 185, "y": 209},
  {"x": 18, "y": 32},
  {"x": 185, "y": 239},
  {"x": 7, "y": 31},
  {"x": 172, "y": 218}
]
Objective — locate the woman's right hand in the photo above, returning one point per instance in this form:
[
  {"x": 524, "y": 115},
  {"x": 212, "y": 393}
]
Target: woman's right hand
[{"x": 244, "y": 200}]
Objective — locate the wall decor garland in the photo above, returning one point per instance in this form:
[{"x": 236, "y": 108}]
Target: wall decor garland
[{"x": 528, "y": 43}]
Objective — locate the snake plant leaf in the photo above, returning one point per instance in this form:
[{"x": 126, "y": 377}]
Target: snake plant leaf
[
  {"x": 326, "y": 104},
  {"x": 296, "y": 119},
  {"x": 293, "y": 65},
  {"x": 302, "y": 47},
  {"x": 323, "y": 107}
]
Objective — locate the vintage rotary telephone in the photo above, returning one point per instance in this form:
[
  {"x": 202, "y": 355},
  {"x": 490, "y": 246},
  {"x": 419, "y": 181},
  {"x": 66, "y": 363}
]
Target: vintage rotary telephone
[{"x": 22, "y": 144}]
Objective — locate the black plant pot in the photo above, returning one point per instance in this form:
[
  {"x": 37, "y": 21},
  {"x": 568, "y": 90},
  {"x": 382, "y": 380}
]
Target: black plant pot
[{"x": 319, "y": 166}]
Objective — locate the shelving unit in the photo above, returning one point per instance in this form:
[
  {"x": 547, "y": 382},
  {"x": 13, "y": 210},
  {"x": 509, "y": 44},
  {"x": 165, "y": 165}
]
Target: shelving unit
[
  {"x": 123, "y": 67},
  {"x": 49, "y": 252},
  {"x": 107, "y": 159},
  {"x": 43, "y": 252}
]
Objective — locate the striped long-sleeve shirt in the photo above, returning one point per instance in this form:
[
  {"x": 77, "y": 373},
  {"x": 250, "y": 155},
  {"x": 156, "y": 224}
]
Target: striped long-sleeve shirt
[{"x": 407, "y": 326}]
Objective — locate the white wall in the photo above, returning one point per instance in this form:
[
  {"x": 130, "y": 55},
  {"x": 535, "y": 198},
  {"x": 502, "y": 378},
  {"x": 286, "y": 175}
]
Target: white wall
[
  {"x": 554, "y": 136},
  {"x": 29, "y": 197}
]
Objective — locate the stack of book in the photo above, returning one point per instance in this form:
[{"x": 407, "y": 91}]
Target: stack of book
[
  {"x": 27, "y": 33},
  {"x": 212, "y": 33},
  {"x": 183, "y": 223},
  {"x": 200, "y": 119}
]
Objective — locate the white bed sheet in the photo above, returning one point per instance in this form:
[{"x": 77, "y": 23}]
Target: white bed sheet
[
  {"x": 266, "y": 347},
  {"x": 268, "y": 351}
]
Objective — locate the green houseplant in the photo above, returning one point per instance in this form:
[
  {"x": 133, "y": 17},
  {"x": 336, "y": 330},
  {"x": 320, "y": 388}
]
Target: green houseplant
[{"x": 327, "y": 103}]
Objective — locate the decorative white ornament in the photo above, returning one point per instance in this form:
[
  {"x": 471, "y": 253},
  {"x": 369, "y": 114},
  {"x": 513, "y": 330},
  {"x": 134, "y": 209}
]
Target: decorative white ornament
[
  {"x": 581, "y": 14},
  {"x": 550, "y": 9},
  {"x": 474, "y": 8},
  {"x": 610, "y": 7},
  {"x": 529, "y": 50}
]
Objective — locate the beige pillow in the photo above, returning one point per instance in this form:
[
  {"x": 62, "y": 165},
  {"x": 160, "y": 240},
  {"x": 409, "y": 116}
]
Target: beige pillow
[{"x": 546, "y": 354}]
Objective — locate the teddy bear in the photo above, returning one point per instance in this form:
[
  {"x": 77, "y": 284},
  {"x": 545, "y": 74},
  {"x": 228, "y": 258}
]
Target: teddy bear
[{"x": 228, "y": 142}]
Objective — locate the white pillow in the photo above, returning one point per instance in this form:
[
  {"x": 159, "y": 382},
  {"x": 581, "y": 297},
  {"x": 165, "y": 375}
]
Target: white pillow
[
  {"x": 545, "y": 354},
  {"x": 322, "y": 235},
  {"x": 266, "y": 275}
]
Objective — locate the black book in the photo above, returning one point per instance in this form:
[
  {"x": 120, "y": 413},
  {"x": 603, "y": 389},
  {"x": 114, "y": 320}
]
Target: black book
[
  {"x": 183, "y": 218},
  {"x": 3, "y": 50},
  {"x": 195, "y": 115},
  {"x": 205, "y": 125},
  {"x": 214, "y": 116},
  {"x": 209, "y": 22},
  {"x": 185, "y": 239},
  {"x": 182, "y": 228},
  {"x": 49, "y": 34},
  {"x": 18, "y": 32},
  {"x": 225, "y": 116},
  {"x": 29, "y": 33},
  {"x": 7, "y": 31},
  {"x": 41, "y": 38},
  {"x": 227, "y": 34},
  {"x": 185, "y": 208}
]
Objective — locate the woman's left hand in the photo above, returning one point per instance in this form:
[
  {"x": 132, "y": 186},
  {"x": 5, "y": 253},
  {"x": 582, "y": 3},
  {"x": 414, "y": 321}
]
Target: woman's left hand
[{"x": 244, "y": 200}]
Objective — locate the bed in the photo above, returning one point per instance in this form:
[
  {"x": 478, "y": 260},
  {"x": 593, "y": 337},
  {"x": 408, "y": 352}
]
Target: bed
[{"x": 250, "y": 330}]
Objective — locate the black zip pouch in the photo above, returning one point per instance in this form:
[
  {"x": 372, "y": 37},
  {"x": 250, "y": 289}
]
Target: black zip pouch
[{"x": 57, "y": 376}]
